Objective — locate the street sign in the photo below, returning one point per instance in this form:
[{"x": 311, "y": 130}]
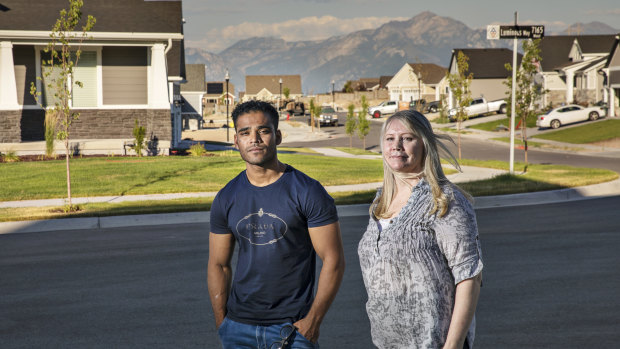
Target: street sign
[{"x": 495, "y": 32}]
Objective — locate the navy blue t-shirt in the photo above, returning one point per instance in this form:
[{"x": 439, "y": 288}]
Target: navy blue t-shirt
[{"x": 274, "y": 279}]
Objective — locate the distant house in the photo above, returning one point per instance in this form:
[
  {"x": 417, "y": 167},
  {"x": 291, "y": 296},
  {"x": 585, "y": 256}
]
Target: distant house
[
  {"x": 417, "y": 81},
  {"x": 489, "y": 72},
  {"x": 131, "y": 70},
  {"x": 383, "y": 81},
  {"x": 570, "y": 67},
  {"x": 267, "y": 87},
  {"x": 192, "y": 92},
  {"x": 216, "y": 96},
  {"x": 612, "y": 72}
]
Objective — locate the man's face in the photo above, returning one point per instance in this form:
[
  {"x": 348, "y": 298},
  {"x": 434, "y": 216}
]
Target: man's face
[{"x": 256, "y": 138}]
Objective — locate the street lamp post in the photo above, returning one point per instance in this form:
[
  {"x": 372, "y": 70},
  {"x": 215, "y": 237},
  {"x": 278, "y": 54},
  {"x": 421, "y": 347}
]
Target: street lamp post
[
  {"x": 333, "y": 95},
  {"x": 280, "y": 101},
  {"x": 227, "y": 124},
  {"x": 419, "y": 87}
]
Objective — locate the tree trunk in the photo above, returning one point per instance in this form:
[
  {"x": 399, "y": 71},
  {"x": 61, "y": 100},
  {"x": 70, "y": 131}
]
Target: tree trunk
[
  {"x": 351, "y": 141},
  {"x": 458, "y": 132},
  {"x": 524, "y": 135},
  {"x": 68, "y": 172},
  {"x": 364, "y": 143}
]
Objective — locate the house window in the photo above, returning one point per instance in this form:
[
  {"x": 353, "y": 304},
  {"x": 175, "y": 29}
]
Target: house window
[
  {"x": 124, "y": 75},
  {"x": 86, "y": 73}
]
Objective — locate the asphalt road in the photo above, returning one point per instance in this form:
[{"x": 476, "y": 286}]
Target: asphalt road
[
  {"x": 471, "y": 149},
  {"x": 550, "y": 281}
]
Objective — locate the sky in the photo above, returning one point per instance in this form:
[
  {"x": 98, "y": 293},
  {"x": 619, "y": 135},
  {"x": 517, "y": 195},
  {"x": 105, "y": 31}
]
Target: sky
[{"x": 216, "y": 25}]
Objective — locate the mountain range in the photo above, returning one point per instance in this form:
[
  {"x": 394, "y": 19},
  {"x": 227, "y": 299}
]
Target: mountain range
[{"x": 425, "y": 38}]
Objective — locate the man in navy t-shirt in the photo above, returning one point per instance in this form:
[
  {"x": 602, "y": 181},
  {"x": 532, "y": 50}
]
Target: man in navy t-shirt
[{"x": 281, "y": 219}]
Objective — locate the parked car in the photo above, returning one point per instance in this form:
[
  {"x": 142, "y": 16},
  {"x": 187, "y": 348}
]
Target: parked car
[
  {"x": 480, "y": 106},
  {"x": 328, "y": 116},
  {"x": 430, "y": 107},
  {"x": 568, "y": 114},
  {"x": 386, "y": 107}
]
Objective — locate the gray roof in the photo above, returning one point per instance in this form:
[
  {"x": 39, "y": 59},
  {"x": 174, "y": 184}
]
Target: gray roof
[
  {"x": 430, "y": 73},
  {"x": 384, "y": 79},
  {"x": 111, "y": 15},
  {"x": 255, "y": 83},
  {"x": 487, "y": 63},
  {"x": 554, "y": 50},
  {"x": 195, "y": 76},
  {"x": 218, "y": 88}
]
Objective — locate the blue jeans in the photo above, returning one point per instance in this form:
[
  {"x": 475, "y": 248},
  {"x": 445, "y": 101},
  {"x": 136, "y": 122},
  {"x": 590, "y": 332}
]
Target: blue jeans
[{"x": 234, "y": 335}]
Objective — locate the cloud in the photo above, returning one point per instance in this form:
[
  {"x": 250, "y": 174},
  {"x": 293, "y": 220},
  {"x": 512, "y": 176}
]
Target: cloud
[
  {"x": 614, "y": 11},
  {"x": 308, "y": 28}
]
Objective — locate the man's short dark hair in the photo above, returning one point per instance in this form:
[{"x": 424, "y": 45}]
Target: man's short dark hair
[{"x": 256, "y": 106}]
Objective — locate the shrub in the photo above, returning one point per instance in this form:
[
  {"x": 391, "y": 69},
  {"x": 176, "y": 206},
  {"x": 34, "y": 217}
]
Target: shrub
[
  {"x": 10, "y": 156},
  {"x": 51, "y": 120},
  {"x": 138, "y": 133},
  {"x": 197, "y": 150}
]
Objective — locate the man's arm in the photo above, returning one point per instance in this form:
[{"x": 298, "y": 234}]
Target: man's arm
[
  {"x": 219, "y": 273},
  {"x": 465, "y": 301},
  {"x": 328, "y": 246}
]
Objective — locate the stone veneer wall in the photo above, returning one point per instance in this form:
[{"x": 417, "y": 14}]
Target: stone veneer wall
[
  {"x": 10, "y": 126},
  {"x": 27, "y": 125}
]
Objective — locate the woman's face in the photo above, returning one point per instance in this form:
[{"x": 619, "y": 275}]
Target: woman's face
[{"x": 402, "y": 150}]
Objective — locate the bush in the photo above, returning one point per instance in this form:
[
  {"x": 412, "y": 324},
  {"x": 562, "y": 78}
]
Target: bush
[
  {"x": 10, "y": 156},
  {"x": 197, "y": 150},
  {"x": 138, "y": 133}
]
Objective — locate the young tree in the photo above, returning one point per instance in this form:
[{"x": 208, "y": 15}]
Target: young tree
[
  {"x": 459, "y": 84},
  {"x": 363, "y": 125},
  {"x": 528, "y": 91},
  {"x": 312, "y": 114},
  {"x": 64, "y": 52},
  {"x": 351, "y": 125},
  {"x": 287, "y": 92}
]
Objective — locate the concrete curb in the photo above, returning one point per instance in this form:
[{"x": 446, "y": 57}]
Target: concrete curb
[{"x": 202, "y": 217}]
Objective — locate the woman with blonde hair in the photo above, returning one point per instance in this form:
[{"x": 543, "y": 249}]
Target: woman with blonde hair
[{"x": 420, "y": 255}]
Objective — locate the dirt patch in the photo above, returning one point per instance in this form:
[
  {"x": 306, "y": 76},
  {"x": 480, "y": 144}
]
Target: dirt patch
[{"x": 610, "y": 143}]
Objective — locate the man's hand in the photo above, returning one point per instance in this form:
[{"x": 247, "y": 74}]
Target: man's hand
[{"x": 308, "y": 328}]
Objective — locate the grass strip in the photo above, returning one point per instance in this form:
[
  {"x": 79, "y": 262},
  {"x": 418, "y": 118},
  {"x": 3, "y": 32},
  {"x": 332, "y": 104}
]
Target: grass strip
[
  {"x": 493, "y": 125},
  {"x": 355, "y": 151},
  {"x": 157, "y": 175},
  {"x": 534, "y": 144},
  {"x": 587, "y": 133}
]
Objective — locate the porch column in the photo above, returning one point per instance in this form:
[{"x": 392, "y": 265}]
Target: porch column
[
  {"x": 8, "y": 87},
  {"x": 612, "y": 102},
  {"x": 158, "y": 91},
  {"x": 570, "y": 83}
]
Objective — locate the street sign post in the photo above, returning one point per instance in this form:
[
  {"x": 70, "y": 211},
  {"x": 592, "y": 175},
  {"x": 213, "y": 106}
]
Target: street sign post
[{"x": 496, "y": 32}]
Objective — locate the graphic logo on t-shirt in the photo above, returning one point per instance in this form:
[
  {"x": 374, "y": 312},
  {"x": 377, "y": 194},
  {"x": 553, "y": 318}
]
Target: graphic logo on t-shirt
[{"x": 262, "y": 228}]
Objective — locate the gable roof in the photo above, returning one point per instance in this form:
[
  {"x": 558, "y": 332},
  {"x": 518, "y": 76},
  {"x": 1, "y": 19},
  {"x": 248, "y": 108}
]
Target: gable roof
[
  {"x": 555, "y": 50},
  {"x": 431, "y": 73},
  {"x": 195, "y": 76},
  {"x": 384, "y": 79},
  {"x": 112, "y": 15},
  {"x": 218, "y": 88},
  {"x": 487, "y": 63},
  {"x": 255, "y": 83}
]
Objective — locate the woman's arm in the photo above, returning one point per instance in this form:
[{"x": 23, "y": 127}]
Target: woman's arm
[{"x": 465, "y": 301}]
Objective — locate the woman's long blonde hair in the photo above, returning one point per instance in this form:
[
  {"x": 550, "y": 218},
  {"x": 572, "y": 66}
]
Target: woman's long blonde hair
[{"x": 417, "y": 124}]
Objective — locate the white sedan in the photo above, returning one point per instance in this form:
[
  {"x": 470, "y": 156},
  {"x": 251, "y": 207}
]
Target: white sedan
[{"x": 568, "y": 114}]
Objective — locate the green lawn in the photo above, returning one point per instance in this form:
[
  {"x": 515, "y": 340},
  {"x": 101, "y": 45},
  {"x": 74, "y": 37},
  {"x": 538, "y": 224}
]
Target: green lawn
[
  {"x": 126, "y": 176},
  {"x": 155, "y": 175},
  {"x": 355, "y": 151},
  {"x": 587, "y": 133},
  {"x": 492, "y": 125}
]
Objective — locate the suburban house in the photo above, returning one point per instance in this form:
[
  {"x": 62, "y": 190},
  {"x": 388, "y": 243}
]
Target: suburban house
[
  {"x": 570, "y": 67},
  {"x": 131, "y": 69},
  {"x": 612, "y": 81},
  {"x": 215, "y": 100},
  {"x": 383, "y": 81},
  {"x": 487, "y": 65},
  {"x": 269, "y": 87},
  {"x": 418, "y": 81},
  {"x": 192, "y": 93}
]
